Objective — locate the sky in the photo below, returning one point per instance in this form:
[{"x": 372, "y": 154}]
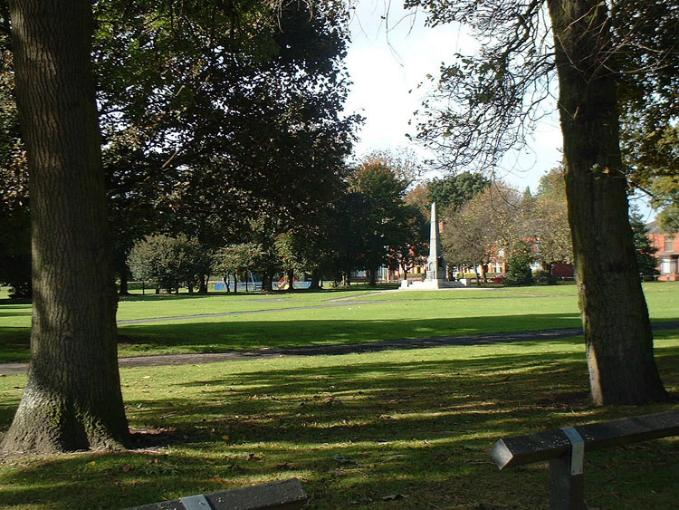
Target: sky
[{"x": 388, "y": 58}]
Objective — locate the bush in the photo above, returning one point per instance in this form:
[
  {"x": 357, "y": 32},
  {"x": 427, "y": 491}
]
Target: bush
[
  {"x": 544, "y": 278},
  {"x": 519, "y": 272},
  {"x": 169, "y": 262}
]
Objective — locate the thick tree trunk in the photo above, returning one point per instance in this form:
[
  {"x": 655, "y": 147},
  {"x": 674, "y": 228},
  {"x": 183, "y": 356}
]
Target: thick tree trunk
[
  {"x": 615, "y": 318},
  {"x": 72, "y": 399}
]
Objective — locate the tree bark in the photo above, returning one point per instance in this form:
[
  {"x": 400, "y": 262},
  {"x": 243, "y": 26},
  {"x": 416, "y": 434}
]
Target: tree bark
[
  {"x": 267, "y": 282},
  {"x": 72, "y": 399},
  {"x": 124, "y": 274},
  {"x": 315, "y": 280},
  {"x": 372, "y": 277},
  {"x": 202, "y": 284},
  {"x": 615, "y": 317},
  {"x": 291, "y": 280}
]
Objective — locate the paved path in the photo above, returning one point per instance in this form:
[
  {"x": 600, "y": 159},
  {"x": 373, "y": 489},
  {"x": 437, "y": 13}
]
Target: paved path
[{"x": 334, "y": 349}]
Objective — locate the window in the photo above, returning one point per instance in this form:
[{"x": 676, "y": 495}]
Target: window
[{"x": 669, "y": 240}]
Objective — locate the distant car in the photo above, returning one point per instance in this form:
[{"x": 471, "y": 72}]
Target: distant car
[{"x": 499, "y": 279}]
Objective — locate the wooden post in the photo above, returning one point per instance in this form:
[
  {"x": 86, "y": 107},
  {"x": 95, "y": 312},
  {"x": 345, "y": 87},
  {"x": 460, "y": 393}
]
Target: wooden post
[
  {"x": 566, "y": 475},
  {"x": 566, "y": 491}
]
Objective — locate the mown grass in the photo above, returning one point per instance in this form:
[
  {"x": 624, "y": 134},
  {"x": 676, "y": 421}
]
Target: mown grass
[
  {"x": 389, "y": 430},
  {"x": 258, "y": 321}
]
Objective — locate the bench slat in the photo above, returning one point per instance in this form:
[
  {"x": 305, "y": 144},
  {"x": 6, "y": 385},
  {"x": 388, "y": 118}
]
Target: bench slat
[
  {"x": 518, "y": 450},
  {"x": 287, "y": 495}
]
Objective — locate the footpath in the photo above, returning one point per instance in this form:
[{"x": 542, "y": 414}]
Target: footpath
[{"x": 337, "y": 349}]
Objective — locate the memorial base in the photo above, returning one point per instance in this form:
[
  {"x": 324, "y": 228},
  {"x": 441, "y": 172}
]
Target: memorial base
[{"x": 429, "y": 285}]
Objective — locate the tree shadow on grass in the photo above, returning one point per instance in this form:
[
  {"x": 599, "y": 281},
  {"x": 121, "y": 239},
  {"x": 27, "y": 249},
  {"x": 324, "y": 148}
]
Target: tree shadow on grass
[
  {"x": 243, "y": 334},
  {"x": 248, "y": 334},
  {"x": 389, "y": 430}
]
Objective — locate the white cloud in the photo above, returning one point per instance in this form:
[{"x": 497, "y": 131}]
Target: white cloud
[{"x": 385, "y": 64}]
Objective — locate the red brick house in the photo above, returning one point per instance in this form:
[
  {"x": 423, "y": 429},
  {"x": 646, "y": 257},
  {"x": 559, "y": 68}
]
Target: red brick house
[{"x": 667, "y": 254}]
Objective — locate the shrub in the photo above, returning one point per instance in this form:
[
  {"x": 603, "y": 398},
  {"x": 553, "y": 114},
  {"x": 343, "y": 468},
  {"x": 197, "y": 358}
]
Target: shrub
[
  {"x": 542, "y": 277},
  {"x": 169, "y": 262},
  {"x": 519, "y": 272}
]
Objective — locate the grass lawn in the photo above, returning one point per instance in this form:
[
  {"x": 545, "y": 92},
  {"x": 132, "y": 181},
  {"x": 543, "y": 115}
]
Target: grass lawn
[
  {"x": 389, "y": 430},
  {"x": 257, "y": 321}
]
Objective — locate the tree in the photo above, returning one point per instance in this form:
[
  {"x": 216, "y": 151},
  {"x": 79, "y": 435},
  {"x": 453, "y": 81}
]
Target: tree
[
  {"x": 15, "y": 229},
  {"x": 383, "y": 181},
  {"x": 518, "y": 266},
  {"x": 491, "y": 221},
  {"x": 548, "y": 217},
  {"x": 236, "y": 261},
  {"x": 72, "y": 399},
  {"x": 183, "y": 100},
  {"x": 456, "y": 190},
  {"x": 468, "y": 239},
  {"x": 414, "y": 240},
  {"x": 648, "y": 101},
  {"x": 497, "y": 101},
  {"x": 349, "y": 234},
  {"x": 291, "y": 250},
  {"x": 169, "y": 262},
  {"x": 646, "y": 260}
]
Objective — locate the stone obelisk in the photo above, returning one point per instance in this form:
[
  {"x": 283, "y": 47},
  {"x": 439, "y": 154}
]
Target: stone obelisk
[
  {"x": 436, "y": 266},
  {"x": 436, "y": 277}
]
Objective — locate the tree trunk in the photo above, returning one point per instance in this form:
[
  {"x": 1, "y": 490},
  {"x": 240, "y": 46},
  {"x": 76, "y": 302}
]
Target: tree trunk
[
  {"x": 617, "y": 329},
  {"x": 124, "y": 278},
  {"x": 346, "y": 279},
  {"x": 315, "y": 280},
  {"x": 267, "y": 282},
  {"x": 72, "y": 399},
  {"x": 291, "y": 280},
  {"x": 372, "y": 277},
  {"x": 235, "y": 283},
  {"x": 202, "y": 284},
  {"x": 227, "y": 284}
]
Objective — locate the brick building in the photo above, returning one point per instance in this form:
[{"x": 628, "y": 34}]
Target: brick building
[{"x": 667, "y": 254}]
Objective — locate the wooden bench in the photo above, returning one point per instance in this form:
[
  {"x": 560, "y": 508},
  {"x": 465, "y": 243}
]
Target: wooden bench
[
  {"x": 287, "y": 495},
  {"x": 565, "y": 450}
]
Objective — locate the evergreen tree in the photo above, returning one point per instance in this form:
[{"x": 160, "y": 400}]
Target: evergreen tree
[{"x": 646, "y": 260}]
